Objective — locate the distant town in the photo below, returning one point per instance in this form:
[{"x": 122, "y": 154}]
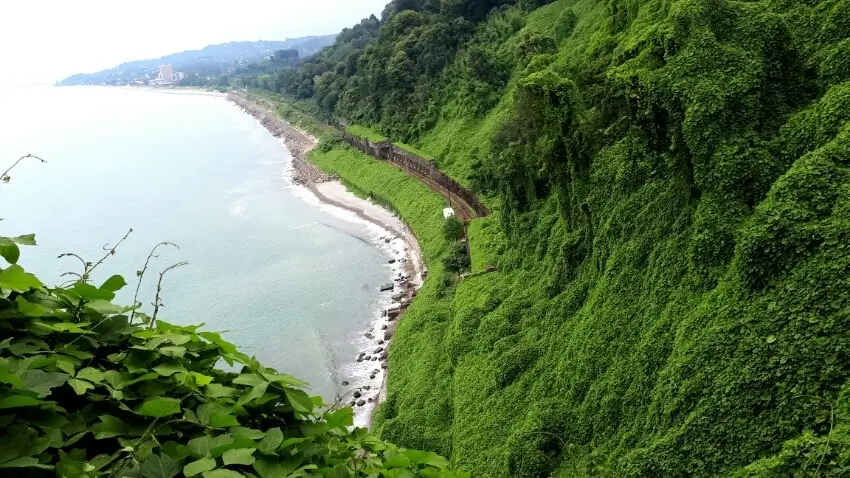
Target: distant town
[
  {"x": 205, "y": 66},
  {"x": 166, "y": 76}
]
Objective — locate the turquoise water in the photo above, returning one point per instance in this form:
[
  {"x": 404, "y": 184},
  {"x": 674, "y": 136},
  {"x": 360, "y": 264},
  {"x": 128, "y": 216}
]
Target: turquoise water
[{"x": 287, "y": 280}]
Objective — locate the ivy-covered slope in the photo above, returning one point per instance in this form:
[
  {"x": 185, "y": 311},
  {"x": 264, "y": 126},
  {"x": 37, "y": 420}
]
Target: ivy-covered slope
[{"x": 671, "y": 187}]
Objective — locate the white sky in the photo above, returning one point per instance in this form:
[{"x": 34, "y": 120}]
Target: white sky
[{"x": 47, "y": 40}]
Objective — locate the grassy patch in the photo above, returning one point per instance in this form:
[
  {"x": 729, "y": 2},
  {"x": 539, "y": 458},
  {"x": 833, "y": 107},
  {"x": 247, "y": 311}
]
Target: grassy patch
[{"x": 366, "y": 133}]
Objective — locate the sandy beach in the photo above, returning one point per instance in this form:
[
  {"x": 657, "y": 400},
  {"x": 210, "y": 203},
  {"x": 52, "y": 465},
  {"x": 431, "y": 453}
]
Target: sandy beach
[{"x": 368, "y": 388}]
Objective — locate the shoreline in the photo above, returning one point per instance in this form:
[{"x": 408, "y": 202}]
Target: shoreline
[{"x": 406, "y": 280}]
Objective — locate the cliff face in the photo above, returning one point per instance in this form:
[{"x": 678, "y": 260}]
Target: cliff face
[{"x": 669, "y": 186}]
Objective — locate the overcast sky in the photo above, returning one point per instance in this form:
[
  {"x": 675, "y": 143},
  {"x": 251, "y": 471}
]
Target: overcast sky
[{"x": 47, "y": 40}]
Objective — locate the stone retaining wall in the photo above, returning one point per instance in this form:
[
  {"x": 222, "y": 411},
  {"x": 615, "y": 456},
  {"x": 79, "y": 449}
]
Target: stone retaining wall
[{"x": 408, "y": 161}]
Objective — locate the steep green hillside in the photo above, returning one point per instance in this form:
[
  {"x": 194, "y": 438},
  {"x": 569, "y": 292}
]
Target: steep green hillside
[{"x": 671, "y": 186}]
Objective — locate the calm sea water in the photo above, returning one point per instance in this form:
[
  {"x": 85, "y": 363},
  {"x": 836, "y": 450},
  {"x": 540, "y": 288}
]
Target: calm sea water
[{"x": 287, "y": 280}]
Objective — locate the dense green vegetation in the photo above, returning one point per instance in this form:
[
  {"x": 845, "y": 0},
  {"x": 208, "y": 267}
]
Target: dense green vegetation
[
  {"x": 92, "y": 389},
  {"x": 669, "y": 186}
]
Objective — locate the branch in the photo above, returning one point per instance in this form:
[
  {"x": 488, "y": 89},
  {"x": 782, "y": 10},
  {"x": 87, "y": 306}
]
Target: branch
[
  {"x": 157, "y": 304},
  {"x": 141, "y": 274},
  {"x": 5, "y": 176},
  {"x": 110, "y": 251}
]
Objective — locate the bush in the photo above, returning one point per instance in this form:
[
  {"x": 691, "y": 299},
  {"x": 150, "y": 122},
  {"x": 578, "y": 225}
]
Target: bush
[
  {"x": 457, "y": 260},
  {"x": 453, "y": 229},
  {"x": 89, "y": 388}
]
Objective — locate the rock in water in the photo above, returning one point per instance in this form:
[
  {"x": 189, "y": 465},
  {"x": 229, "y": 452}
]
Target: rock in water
[
  {"x": 387, "y": 286},
  {"x": 361, "y": 402}
]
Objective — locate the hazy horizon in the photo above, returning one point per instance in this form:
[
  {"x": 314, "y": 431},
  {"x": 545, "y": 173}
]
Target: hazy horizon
[{"x": 48, "y": 40}]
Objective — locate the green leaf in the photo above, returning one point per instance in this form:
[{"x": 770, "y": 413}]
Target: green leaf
[
  {"x": 396, "y": 460},
  {"x": 249, "y": 433},
  {"x": 90, "y": 292},
  {"x": 80, "y": 386},
  {"x": 25, "y": 462},
  {"x": 219, "y": 391},
  {"x": 299, "y": 400},
  {"x": 42, "y": 382},
  {"x": 204, "y": 464},
  {"x": 14, "y": 278},
  {"x": 292, "y": 441},
  {"x": 28, "y": 309},
  {"x": 771, "y": 339},
  {"x": 114, "y": 283},
  {"x": 425, "y": 458},
  {"x": 201, "y": 379},
  {"x": 253, "y": 394},
  {"x": 340, "y": 471},
  {"x": 249, "y": 379},
  {"x": 66, "y": 366},
  {"x": 25, "y": 240},
  {"x": 173, "y": 351},
  {"x": 223, "y": 419},
  {"x": 169, "y": 369},
  {"x": 109, "y": 427},
  {"x": 90, "y": 374},
  {"x": 285, "y": 379},
  {"x": 272, "y": 469},
  {"x": 268, "y": 445},
  {"x": 159, "y": 466},
  {"x": 159, "y": 407},
  {"x": 223, "y": 474},
  {"x": 342, "y": 418},
  {"x": 239, "y": 456},
  {"x": 9, "y": 251},
  {"x": 207, "y": 445},
  {"x": 103, "y": 306}
]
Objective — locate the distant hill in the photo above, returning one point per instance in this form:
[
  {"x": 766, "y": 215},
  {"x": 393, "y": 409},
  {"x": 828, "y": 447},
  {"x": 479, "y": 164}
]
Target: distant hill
[{"x": 211, "y": 60}]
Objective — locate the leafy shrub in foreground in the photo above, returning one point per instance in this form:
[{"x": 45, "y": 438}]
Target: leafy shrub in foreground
[{"x": 89, "y": 388}]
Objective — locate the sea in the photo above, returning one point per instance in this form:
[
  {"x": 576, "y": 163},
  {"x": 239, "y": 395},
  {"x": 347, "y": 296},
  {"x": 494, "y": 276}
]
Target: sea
[{"x": 287, "y": 279}]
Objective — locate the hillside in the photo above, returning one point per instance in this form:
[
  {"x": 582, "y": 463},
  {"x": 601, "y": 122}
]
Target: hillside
[
  {"x": 669, "y": 187},
  {"x": 210, "y": 60}
]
